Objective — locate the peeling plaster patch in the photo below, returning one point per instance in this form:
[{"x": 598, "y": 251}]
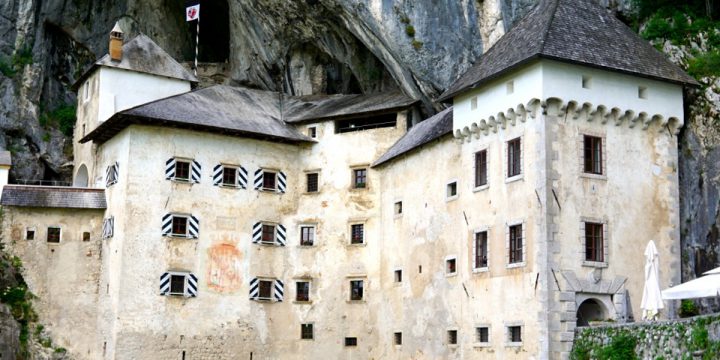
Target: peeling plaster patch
[{"x": 224, "y": 273}]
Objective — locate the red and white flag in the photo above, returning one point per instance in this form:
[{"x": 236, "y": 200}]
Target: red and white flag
[{"x": 192, "y": 11}]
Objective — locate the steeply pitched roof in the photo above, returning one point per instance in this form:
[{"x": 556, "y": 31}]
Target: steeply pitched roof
[
  {"x": 424, "y": 132},
  {"x": 224, "y": 109},
  {"x": 574, "y": 31},
  {"x": 141, "y": 54},
  {"x": 5, "y": 157},
  {"x": 53, "y": 197},
  {"x": 319, "y": 107}
]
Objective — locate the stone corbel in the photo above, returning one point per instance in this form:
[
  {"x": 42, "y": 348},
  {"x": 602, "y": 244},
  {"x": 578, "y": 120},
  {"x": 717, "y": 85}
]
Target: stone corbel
[
  {"x": 492, "y": 124},
  {"x": 627, "y": 116},
  {"x": 521, "y": 113},
  {"x": 502, "y": 120},
  {"x": 613, "y": 115},
  {"x": 553, "y": 107},
  {"x": 598, "y": 115},
  {"x": 640, "y": 119},
  {"x": 511, "y": 116},
  {"x": 533, "y": 106},
  {"x": 583, "y": 112},
  {"x": 484, "y": 127}
]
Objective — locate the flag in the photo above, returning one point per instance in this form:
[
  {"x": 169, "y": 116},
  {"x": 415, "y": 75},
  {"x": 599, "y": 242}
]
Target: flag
[{"x": 192, "y": 10}]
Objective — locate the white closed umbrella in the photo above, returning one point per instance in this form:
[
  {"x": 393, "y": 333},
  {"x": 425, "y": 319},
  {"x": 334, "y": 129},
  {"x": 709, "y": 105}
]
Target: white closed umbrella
[
  {"x": 652, "y": 298},
  {"x": 705, "y": 286}
]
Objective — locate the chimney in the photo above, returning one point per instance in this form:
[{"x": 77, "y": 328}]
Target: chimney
[{"x": 116, "y": 43}]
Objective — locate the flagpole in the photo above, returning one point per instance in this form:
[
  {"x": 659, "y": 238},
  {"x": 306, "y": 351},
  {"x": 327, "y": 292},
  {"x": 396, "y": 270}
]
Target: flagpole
[{"x": 197, "y": 41}]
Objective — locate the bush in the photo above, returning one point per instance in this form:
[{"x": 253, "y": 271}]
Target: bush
[
  {"x": 410, "y": 30},
  {"x": 687, "y": 309},
  {"x": 6, "y": 68},
  {"x": 63, "y": 117},
  {"x": 621, "y": 347},
  {"x": 23, "y": 56}
]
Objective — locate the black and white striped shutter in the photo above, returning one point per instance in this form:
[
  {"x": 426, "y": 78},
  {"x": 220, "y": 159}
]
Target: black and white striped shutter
[
  {"x": 278, "y": 289},
  {"x": 108, "y": 225},
  {"x": 170, "y": 169},
  {"x": 217, "y": 174},
  {"x": 257, "y": 233},
  {"x": 282, "y": 182},
  {"x": 165, "y": 284},
  {"x": 195, "y": 172},
  {"x": 258, "y": 179},
  {"x": 192, "y": 285},
  {"x": 116, "y": 171},
  {"x": 280, "y": 235},
  {"x": 242, "y": 176},
  {"x": 194, "y": 227},
  {"x": 254, "y": 288},
  {"x": 167, "y": 224}
]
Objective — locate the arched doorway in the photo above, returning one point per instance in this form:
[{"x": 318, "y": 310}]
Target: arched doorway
[
  {"x": 591, "y": 310},
  {"x": 81, "y": 177}
]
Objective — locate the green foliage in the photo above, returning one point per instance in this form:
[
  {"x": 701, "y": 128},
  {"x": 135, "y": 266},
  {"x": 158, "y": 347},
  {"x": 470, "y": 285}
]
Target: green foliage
[
  {"x": 60, "y": 350},
  {"x": 23, "y": 56},
  {"x": 621, "y": 347},
  {"x": 46, "y": 137},
  {"x": 63, "y": 118},
  {"x": 417, "y": 44},
  {"x": 687, "y": 309},
  {"x": 705, "y": 64},
  {"x": 410, "y": 30},
  {"x": 6, "y": 68}
]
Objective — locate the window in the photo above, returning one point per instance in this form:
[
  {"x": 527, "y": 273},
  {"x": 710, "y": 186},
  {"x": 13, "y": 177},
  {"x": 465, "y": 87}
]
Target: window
[
  {"x": 86, "y": 91},
  {"x": 482, "y": 334},
  {"x": 302, "y": 291},
  {"x": 268, "y": 234},
  {"x": 306, "y": 332},
  {"x": 182, "y": 170},
  {"x": 398, "y": 276},
  {"x": 450, "y": 266},
  {"x": 307, "y": 235},
  {"x": 515, "y": 244},
  {"x": 359, "y": 178},
  {"x": 642, "y": 92},
  {"x": 515, "y": 334},
  {"x": 592, "y": 150},
  {"x": 53, "y": 234},
  {"x": 398, "y": 338},
  {"x": 357, "y": 234},
  {"x": 451, "y": 190},
  {"x": 350, "y": 341},
  {"x": 179, "y": 226},
  {"x": 594, "y": 250},
  {"x": 514, "y": 158},
  {"x": 30, "y": 234},
  {"x": 398, "y": 208},
  {"x": 111, "y": 174},
  {"x": 86, "y": 236},
  {"x": 356, "y": 290},
  {"x": 312, "y": 182},
  {"x": 586, "y": 82},
  {"x": 452, "y": 338},
  {"x": 481, "y": 249},
  {"x": 268, "y": 182},
  {"x": 510, "y": 87},
  {"x": 229, "y": 176},
  {"x": 481, "y": 168},
  {"x": 312, "y": 132},
  {"x": 178, "y": 284},
  {"x": 265, "y": 289},
  {"x": 473, "y": 103}
]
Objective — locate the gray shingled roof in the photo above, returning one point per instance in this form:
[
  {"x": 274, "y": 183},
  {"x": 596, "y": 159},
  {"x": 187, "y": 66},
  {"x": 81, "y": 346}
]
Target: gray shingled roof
[
  {"x": 319, "y": 107},
  {"x": 224, "y": 109},
  {"x": 574, "y": 31},
  {"x": 424, "y": 132},
  {"x": 5, "y": 158},
  {"x": 53, "y": 197},
  {"x": 141, "y": 54}
]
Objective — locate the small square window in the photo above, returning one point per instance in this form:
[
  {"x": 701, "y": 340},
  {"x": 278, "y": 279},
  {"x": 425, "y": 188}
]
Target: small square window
[
  {"x": 307, "y": 235},
  {"x": 302, "y": 291},
  {"x": 53, "y": 234},
  {"x": 515, "y": 334},
  {"x": 452, "y": 338},
  {"x": 510, "y": 86},
  {"x": 482, "y": 334},
  {"x": 312, "y": 182},
  {"x": 350, "y": 341},
  {"x": 398, "y": 209},
  {"x": 268, "y": 234},
  {"x": 357, "y": 234},
  {"x": 312, "y": 132},
  {"x": 265, "y": 289},
  {"x": 30, "y": 234},
  {"x": 450, "y": 266},
  {"x": 182, "y": 170},
  {"x": 306, "y": 332},
  {"x": 398, "y": 276},
  {"x": 451, "y": 190},
  {"x": 86, "y": 236},
  {"x": 586, "y": 82},
  {"x": 473, "y": 103},
  {"x": 269, "y": 182},
  {"x": 356, "y": 290},
  {"x": 642, "y": 92},
  {"x": 229, "y": 176},
  {"x": 179, "y": 226},
  {"x": 177, "y": 284},
  {"x": 398, "y": 338},
  {"x": 359, "y": 178}
]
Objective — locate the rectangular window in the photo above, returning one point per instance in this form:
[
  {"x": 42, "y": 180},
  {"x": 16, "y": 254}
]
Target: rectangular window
[
  {"x": 642, "y": 92},
  {"x": 306, "y": 332},
  {"x": 481, "y": 168},
  {"x": 356, "y": 290},
  {"x": 452, "y": 337},
  {"x": 350, "y": 341},
  {"x": 592, "y": 150},
  {"x": 515, "y": 334},
  {"x": 482, "y": 334},
  {"x": 450, "y": 266},
  {"x": 307, "y": 235},
  {"x": 229, "y": 176},
  {"x": 514, "y": 158},
  {"x": 312, "y": 182},
  {"x": 586, "y": 82},
  {"x": 177, "y": 284},
  {"x": 302, "y": 291},
  {"x": 312, "y": 132},
  {"x": 53, "y": 234},
  {"x": 594, "y": 250},
  {"x": 357, "y": 234},
  {"x": 473, "y": 103},
  {"x": 268, "y": 234},
  {"x": 481, "y": 250},
  {"x": 516, "y": 244},
  {"x": 179, "y": 226},
  {"x": 269, "y": 180},
  {"x": 86, "y": 236},
  {"x": 398, "y": 208},
  {"x": 265, "y": 289},
  {"x": 398, "y": 338},
  {"x": 398, "y": 276},
  {"x": 451, "y": 190},
  {"x": 359, "y": 178},
  {"x": 182, "y": 170},
  {"x": 30, "y": 234}
]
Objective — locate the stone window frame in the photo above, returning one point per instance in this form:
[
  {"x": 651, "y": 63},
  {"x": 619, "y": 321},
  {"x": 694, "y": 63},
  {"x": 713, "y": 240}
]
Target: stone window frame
[
  {"x": 522, "y": 263},
  {"x": 309, "y": 281},
  {"x": 581, "y": 154},
  {"x": 485, "y": 148},
  {"x": 521, "y": 175},
  {"x": 449, "y": 197},
  {"x": 189, "y": 161},
  {"x": 186, "y": 277},
  {"x": 606, "y": 240},
  {"x": 274, "y": 225},
  {"x": 445, "y": 266},
  {"x": 28, "y": 229},
  {"x": 308, "y": 172},
  {"x": 276, "y": 173},
  {"x": 236, "y": 185},
  {"x": 365, "y": 285},
  {"x": 353, "y": 169},
  {"x": 475, "y": 269},
  {"x": 477, "y": 342},
  {"x": 315, "y": 234},
  {"x": 508, "y": 325},
  {"x": 47, "y": 233},
  {"x": 362, "y": 222}
]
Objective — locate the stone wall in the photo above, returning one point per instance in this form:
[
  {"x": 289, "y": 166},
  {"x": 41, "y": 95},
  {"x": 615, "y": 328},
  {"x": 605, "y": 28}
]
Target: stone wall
[{"x": 694, "y": 338}]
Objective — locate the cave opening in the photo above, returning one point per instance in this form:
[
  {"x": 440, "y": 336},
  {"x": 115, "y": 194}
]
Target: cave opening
[
  {"x": 311, "y": 71},
  {"x": 214, "y": 43}
]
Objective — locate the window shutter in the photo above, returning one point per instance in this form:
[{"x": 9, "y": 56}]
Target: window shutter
[
  {"x": 258, "y": 179},
  {"x": 167, "y": 224},
  {"x": 194, "y": 227},
  {"x": 107, "y": 229},
  {"x": 280, "y": 235},
  {"x": 170, "y": 169},
  {"x": 242, "y": 177},
  {"x": 282, "y": 181},
  {"x": 116, "y": 171},
  {"x": 195, "y": 169},
  {"x": 254, "y": 289},
  {"x": 217, "y": 174},
  {"x": 165, "y": 284},
  {"x": 278, "y": 290},
  {"x": 257, "y": 233},
  {"x": 191, "y": 285},
  {"x": 474, "y": 251}
]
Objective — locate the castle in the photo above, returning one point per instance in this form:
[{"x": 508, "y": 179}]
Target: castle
[{"x": 231, "y": 223}]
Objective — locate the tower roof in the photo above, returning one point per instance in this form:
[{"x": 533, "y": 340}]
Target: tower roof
[
  {"x": 143, "y": 55},
  {"x": 574, "y": 31}
]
